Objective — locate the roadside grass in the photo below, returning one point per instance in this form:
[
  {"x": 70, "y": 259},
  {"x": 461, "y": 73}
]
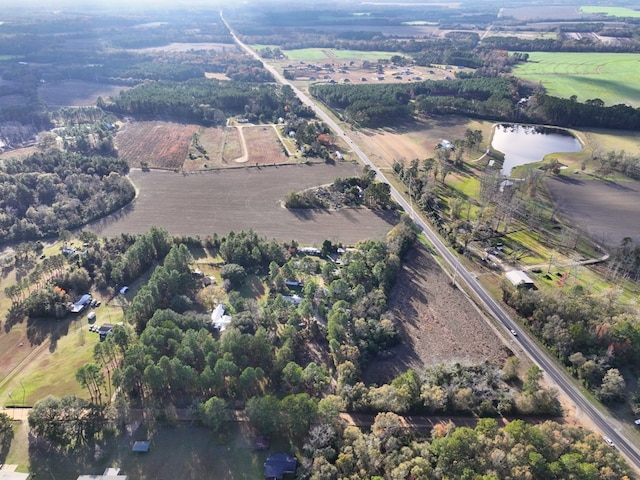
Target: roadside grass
[
  {"x": 607, "y": 76},
  {"x": 611, "y": 11}
]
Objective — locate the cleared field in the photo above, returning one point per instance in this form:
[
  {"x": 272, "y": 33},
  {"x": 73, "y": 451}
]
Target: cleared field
[
  {"x": 611, "y": 77},
  {"x": 327, "y": 54},
  {"x": 185, "y": 47},
  {"x": 611, "y": 11},
  {"x": 436, "y": 323},
  {"x": 607, "y": 210},
  {"x": 264, "y": 146},
  {"x": 160, "y": 144},
  {"x": 413, "y": 140},
  {"x": 240, "y": 199},
  {"x": 75, "y": 93},
  {"x": 232, "y": 149}
]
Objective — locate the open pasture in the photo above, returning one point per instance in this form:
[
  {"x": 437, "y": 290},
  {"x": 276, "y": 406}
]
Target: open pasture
[
  {"x": 610, "y": 11},
  {"x": 75, "y": 93},
  {"x": 159, "y": 144},
  {"x": 611, "y": 77}
]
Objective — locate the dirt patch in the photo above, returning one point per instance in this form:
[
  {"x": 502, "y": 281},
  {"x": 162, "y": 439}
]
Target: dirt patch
[
  {"x": 264, "y": 146},
  {"x": 436, "y": 322},
  {"x": 75, "y": 93},
  {"x": 608, "y": 211},
  {"x": 227, "y": 200},
  {"x": 159, "y": 144},
  {"x": 232, "y": 146},
  {"x": 217, "y": 76}
]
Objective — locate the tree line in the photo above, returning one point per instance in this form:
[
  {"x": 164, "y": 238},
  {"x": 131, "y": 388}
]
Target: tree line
[
  {"x": 207, "y": 101},
  {"x": 48, "y": 192}
]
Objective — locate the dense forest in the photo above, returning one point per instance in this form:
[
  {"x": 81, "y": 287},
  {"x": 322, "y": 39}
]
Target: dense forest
[
  {"x": 501, "y": 99},
  {"x": 208, "y": 101},
  {"x": 48, "y": 192}
]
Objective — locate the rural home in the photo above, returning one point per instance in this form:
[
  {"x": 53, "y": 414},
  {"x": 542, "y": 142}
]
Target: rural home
[
  {"x": 81, "y": 303},
  {"x": 219, "y": 320},
  {"x": 519, "y": 279}
]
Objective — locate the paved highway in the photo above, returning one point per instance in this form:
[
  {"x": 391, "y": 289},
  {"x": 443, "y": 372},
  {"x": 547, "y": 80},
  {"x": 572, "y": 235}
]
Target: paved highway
[{"x": 608, "y": 426}]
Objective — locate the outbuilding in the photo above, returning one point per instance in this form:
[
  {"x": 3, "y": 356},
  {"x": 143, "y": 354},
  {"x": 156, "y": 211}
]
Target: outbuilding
[{"x": 519, "y": 279}]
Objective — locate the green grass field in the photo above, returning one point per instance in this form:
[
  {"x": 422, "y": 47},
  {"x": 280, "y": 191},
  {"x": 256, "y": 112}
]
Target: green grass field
[
  {"x": 329, "y": 54},
  {"x": 611, "y": 11},
  {"x": 609, "y": 77}
]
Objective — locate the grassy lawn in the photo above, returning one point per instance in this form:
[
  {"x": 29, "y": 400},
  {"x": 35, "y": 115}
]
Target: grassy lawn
[
  {"x": 176, "y": 452},
  {"x": 306, "y": 54},
  {"x": 611, "y": 11},
  {"x": 610, "y": 77}
]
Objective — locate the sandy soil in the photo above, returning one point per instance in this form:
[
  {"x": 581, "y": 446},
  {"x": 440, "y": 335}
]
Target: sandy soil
[{"x": 436, "y": 322}]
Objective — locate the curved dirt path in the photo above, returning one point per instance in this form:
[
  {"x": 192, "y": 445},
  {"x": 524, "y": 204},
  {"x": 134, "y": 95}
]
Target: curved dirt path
[{"x": 245, "y": 157}]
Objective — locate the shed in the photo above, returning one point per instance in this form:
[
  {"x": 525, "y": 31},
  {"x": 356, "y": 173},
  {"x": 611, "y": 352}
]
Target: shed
[
  {"x": 141, "y": 446},
  {"x": 278, "y": 464},
  {"x": 519, "y": 279}
]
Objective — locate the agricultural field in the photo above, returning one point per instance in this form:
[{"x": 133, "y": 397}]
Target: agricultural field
[
  {"x": 607, "y": 210},
  {"x": 535, "y": 12},
  {"x": 610, "y": 11},
  {"x": 75, "y": 93},
  {"x": 160, "y": 144},
  {"x": 610, "y": 77},
  {"x": 227, "y": 200},
  {"x": 263, "y": 145}
]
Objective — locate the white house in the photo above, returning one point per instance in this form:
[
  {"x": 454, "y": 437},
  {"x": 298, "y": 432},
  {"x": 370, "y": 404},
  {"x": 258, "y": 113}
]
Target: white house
[{"x": 219, "y": 320}]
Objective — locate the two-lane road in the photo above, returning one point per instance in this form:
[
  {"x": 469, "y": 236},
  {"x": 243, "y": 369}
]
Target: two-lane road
[{"x": 608, "y": 426}]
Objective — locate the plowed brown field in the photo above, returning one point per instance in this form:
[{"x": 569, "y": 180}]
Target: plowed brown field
[
  {"x": 159, "y": 144},
  {"x": 244, "y": 198}
]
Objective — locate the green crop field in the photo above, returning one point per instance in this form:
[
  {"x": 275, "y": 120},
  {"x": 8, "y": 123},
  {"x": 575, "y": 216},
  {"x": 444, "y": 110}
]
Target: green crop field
[
  {"x": 306, "y": 54},
  {"x": 611, "y": 11},
  {"x": 361, "y": 55},
  {"x": 329, "y": 54},
  {"x": 611, "y": 77}
]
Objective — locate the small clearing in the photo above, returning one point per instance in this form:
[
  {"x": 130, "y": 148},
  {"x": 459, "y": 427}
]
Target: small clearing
[{"x": 75, "y": 93}]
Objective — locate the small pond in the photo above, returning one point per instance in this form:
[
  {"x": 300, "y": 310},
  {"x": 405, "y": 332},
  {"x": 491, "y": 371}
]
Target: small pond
[{"x": 523, "y": 144}]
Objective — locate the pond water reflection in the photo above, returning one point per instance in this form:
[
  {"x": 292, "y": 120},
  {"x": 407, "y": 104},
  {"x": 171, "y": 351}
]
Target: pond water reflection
[{"x": 523, "y": 144}]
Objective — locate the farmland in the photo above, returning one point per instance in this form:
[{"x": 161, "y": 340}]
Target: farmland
[
  {"x": 159, "y": 144},
  {"x": 263, "y": 146},
  {"x": 611, "y": 11},
  {"x": 221, "y": 201},
  {"x": 607, "y": 210},
  {"x": 75, "y": 93},
  {"x": 609, "y": 77}
]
